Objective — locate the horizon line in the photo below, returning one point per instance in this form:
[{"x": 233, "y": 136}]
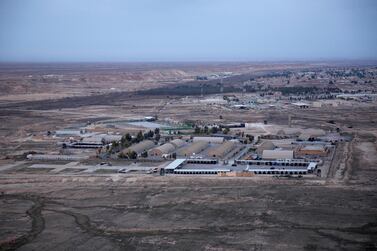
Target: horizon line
[{"x": 189, "y": 61}]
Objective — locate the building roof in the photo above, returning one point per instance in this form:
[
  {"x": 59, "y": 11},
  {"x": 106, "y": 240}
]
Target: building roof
[
  {"x": 221, "y": 150},
  {"x": 277, "y": 169},
  {"x": 300, "y": 104},
  {"x": 140, "y": 147},
  {"x": 165, "y": 148},
  {"x": 209, "y": 139},
  {"x": 110, "y": 138},
  {"x": 196, "y": 147},
  {"x": 314, "y": 147},
  {"x": 177, "y": 142},
  {"x": 312, "y": 166},
  {"x": 173, "y": 165},
  {"x": 203, "y": 170},
  {"x": 277, "y": 154}
]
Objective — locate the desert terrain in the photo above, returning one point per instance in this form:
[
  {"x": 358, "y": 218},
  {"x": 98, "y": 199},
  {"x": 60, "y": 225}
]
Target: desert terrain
[{"x": 43, "y": 209}]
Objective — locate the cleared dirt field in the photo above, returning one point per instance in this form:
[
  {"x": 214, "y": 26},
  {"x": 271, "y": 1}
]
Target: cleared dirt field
[{"x": 144, "y": 213}]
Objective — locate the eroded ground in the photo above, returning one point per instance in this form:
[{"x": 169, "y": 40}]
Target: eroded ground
[
  {"x": 126, "y": 212},
  {"x": 144, "y": 213}
]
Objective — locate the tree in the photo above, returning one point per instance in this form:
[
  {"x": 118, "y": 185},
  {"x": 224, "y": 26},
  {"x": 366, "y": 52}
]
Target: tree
[
  {"x": 226, "y": 130},
  {"x": 214, "y": 129},
  {"x": 125, "y": 141},
  {"x": 206, "y": 129},
  {"x": 128, "y": 137},
  {"x": 197, "y": 130},
  {"x": 157, "y": 137},
  {"x": 139, "y": 136},
  {"x": 144, "y": 154},
  {"x": 132, "y": 155},
  {"x": 148, "y": 135},
  {"x": 157, "y": 131},
  {"x": 250, "y": 137}
]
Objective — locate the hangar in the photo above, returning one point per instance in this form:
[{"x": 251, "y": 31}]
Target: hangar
[
  {"x": 221, "y": 150},
  {"x": 166, "y": 148},
  {"x": 194, "y": 148},
  {"x": 140, "y": 147}
]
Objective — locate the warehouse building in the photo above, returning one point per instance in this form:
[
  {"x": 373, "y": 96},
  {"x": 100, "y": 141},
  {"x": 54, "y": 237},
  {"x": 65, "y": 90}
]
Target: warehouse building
[
  {"x": 82, "y": 145},
  {"x": 67, "y": 133},
  {"x": 161, "y": 150},
  {"x": 172, "y": 166},
  {"x": 279, "y": 171},
  {"x": 140, "y": 147},
  {"x": 202, "y": 161},
  {"x": 301, "y": 105},
  {"x": 193, "y": 149},
  {"x": 285, "y": 162},
  {"x": 201, "y": 171},
  {"x": 166, "y": 148},
  {"x": 216, "y": 140},
  {"x": 317, "y": 150},
  {"x": 177, "y": 167},
  {"x": 102, "y": 138},
  {"x": 221, "y": 150},
  {"x": 177, "y": 143},
  {"x": 277, "y": 154},
  {"x": 55, "y": 157},
  {"x": 108, "y": 138}
]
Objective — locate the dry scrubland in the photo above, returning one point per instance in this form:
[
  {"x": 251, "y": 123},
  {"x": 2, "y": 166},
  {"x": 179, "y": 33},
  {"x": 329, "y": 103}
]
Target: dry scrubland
[{"x": 41, "y": 211}]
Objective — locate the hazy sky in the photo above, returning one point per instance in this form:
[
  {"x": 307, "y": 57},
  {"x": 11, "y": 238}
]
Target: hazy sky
[{"x": 187, "y": 30}]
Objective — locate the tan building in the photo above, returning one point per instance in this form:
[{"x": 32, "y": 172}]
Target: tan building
[
  {"x": 166, "y": 148},
  {"x": 217, "y": 140},
  {"x": 221, "y": 150},
  {"x": 140, "y": 147},
  {"x": 317, "y": 150},
  {"x": 277, "y": 154},
  {"x": 194, "y": 148},
  {"x": 177, "y": 142}
]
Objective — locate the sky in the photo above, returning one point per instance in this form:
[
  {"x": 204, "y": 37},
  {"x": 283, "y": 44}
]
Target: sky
[{"x": 186, "y": 30}]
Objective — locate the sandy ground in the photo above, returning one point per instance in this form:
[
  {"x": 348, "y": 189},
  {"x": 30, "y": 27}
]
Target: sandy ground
[
  {"x": 40, "y": 210},
  {"x": 149, "y": 213},
  {"x": 45, "y": 211}
]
